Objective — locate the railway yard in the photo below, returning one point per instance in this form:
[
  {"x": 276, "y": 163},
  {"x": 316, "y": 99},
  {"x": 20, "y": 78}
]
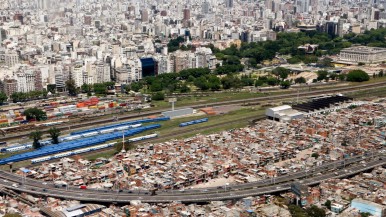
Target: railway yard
[
  {"x": 254, "y": 162},
  {"x": 77, "y": 121}
]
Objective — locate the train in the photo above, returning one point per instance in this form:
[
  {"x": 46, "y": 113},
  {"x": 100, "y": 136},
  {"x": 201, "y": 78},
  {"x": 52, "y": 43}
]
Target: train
[
  {"x": 88, "y": 149},
  {"x": 70, "y": 153},
  {"x": 47, "y": 124},
  {"x": 29, "y": 125},
  {"x": 150, "y": 136},
  {"x": 193, "y": 122},
  {"x": 131, "y": 123},
  {"x": 71, "y": 145},
  {"x": 68, "y": 138}
]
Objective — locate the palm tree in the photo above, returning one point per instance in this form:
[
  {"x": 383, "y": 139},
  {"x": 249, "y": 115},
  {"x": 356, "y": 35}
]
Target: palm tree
[
  {"x": 36, "y": 136},
  {"x": 54, "y": 133}
]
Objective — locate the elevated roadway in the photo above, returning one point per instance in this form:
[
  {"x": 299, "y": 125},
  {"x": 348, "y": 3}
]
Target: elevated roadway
[{"x": 311, "y": 176}]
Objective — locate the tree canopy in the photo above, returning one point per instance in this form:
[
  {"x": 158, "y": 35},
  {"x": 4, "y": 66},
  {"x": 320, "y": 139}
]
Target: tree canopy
[
  {"x": 54, "y": 133},
  {"x": 315, "y": 211},
  {"x": 357, "y": 75},
  {"x": 36, "y": 136},
  {"x": 174, "y": 44},
  {"x": 3, "y": 97},
  {"x": 158, "y": 96},
  {"x": 300, "y": 80},
  {"x": 71, "y": 87},
  {"x": 35, "y": 113},
  {"x": 281, "y": 72},
  {"x": 51, "y": 88},
  {"x": 22, "y": 97}
]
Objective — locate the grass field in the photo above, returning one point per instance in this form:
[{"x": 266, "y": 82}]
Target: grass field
[
  {"x": 368, "y": 94},
  {"x": 173, "y": 125},
  {"x": 235, "y": 119}
]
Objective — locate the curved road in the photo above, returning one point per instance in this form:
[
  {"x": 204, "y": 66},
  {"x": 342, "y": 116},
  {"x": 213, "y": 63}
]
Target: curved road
[{"x": 311, "y": 176}]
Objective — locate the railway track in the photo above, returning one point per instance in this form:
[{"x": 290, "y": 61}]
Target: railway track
[
  {"x": 231, "y": 102},
  {"x": 167, "y": 136}
]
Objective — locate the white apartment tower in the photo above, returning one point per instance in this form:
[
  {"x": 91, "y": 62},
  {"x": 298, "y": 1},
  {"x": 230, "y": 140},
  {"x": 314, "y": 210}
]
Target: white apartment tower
[
  {"x": 25, "y": 81},
  {"x": 77, "y": 75}
]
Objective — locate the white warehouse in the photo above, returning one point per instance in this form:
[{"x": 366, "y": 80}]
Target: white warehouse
[{"x": 283, "y": 113}]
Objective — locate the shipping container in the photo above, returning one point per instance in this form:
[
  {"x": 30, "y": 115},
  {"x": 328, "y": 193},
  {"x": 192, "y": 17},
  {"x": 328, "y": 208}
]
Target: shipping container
[
  {"x": 19, "y": 119},
  {"x": 80, "y": 105}
]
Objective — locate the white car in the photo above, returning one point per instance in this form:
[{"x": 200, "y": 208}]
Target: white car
[{"x": 15, "y": 185}]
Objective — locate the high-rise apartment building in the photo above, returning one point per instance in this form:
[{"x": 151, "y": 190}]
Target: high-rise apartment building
[
  {"x": 10, "y": 86},
  {"x": 3, "y": 34},
  {"x": 38, "y": 85},
  {"x": 25, "y": 81},
  {"x": 340, "y": 27},
  {"x": 229, "y": 3},
  {"x": 186, "y": 14},
  {"x": 11, "y": 59},
  {"x": 87, "y": 19},
  {"x": 205, "y": 7},
  {"x": 149, "y": 67},
  {"x": 144, "y": 16},
  {"x": 43, "y": 4},
  {"x": 77, "y": 75}
]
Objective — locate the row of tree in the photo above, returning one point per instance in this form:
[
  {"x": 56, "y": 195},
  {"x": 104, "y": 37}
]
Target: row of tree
[
  {"x": 204, "y": 80},
  {"x": 37, "y": 135},
  {"x": 32, "y": 95},
  {"x": 97, "y": 88}
]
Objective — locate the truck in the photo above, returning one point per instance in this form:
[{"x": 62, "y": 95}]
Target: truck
[{"x": 59, "y": 184}]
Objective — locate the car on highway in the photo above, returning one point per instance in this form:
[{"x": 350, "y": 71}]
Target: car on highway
[
  {"x": 83, "y": 187},
  {"x": 15, "y": 185},
  {"x": 44, "y": 183}
]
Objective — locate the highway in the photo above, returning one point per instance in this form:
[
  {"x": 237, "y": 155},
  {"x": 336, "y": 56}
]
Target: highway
[
  {"x": 287, "y": 96},
  {"x": 311, "y": 176}
]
